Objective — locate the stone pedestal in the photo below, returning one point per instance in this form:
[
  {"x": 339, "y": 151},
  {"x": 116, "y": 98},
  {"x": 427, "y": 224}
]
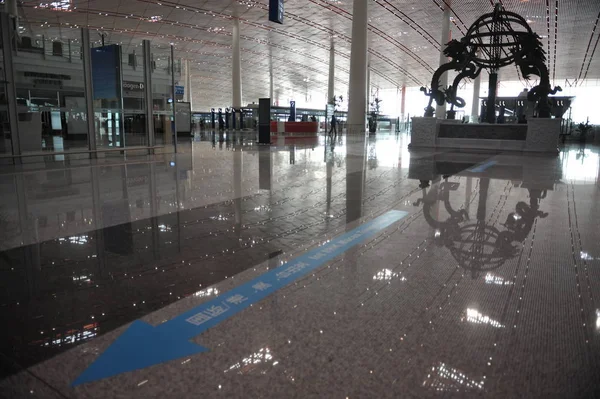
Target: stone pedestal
[
  {"x": 543, "y": 135},
  {"x": 424, "y": 132}
]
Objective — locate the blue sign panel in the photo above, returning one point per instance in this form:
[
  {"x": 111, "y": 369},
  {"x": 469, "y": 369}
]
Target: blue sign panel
[
  {"x": 179, "y": 90},
  {"x": 276, "y": 11},
  {"x": 143, "y": 345}
]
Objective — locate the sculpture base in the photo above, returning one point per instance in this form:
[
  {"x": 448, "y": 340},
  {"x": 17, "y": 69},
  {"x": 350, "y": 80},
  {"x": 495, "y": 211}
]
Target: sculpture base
[{"x": 538, "y": 135}]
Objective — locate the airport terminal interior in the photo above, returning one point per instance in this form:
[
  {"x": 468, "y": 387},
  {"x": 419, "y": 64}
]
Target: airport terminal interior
[{"x": 299, "y": 199}]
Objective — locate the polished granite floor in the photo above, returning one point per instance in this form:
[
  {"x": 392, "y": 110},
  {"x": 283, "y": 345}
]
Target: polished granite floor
[{"x": 484, "y": 281}]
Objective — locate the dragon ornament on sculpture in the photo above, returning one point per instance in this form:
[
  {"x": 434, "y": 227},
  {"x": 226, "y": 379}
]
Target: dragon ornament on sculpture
[{"x": 493, "y": 41}]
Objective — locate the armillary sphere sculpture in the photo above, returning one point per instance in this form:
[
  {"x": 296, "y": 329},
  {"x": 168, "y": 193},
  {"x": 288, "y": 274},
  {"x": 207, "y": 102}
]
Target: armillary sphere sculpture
[{"x": 495, "y": 40}]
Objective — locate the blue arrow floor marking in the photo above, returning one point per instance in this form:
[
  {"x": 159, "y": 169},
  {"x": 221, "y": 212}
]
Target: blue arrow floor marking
[
  {"x": 482, "y": 167},
  {"x": 143, "y": 345}
]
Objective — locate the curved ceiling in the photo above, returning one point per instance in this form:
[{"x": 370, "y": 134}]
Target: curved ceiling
[{"x": 404, "y": 38}]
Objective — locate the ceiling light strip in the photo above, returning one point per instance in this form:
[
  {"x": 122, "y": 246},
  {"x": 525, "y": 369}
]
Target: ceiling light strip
[{"x": 588, "y": 48}]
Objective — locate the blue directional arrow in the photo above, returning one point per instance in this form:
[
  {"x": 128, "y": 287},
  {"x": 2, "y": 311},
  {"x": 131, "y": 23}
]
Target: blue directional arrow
[
  {"x": 143, "y": 345},
  {"x": 482, "y": 167}
]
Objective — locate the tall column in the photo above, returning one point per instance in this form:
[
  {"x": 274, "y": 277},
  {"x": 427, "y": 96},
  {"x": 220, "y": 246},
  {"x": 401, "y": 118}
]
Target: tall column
[
  {"x": 357, "y": 104},
  {"x": 271, "y": 81},
  {"x": 331, "y": 82},
  {"x": 88, "y": 90},
  {"x": 490, "y": 111},
  {"x": 358, "y": 68},
  {"x": 403, "y": 102},
  {"x": 8, "y": 32},
  {"x": 475, "y": 105},
  {"x": 188, "y": 84},
  {"x": 440, "y": 111},
  {"x": 148, "y": 101},
  {"x": 368, "y": 82},
  {"x": 237, "y": 66},
  {"x": 173, "y": 103}
]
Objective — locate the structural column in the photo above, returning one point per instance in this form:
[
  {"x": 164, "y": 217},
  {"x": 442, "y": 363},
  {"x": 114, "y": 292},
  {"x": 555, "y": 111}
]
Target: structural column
[
  {"x": 490, "y": 109},
  {"x": 357, "y": 104},
  {"x": 358, "y": 68},
  {"x": 368, "y": 81},
  {"x": 475, "y": 105},
  {"x": 403, "y": 103},
  {"x": 173, "y": 98},
  {"x": 8, "y": 32},
  {"x": 188, "y": 84},
  {"x": 331, "y": 82},
  {"x": 271, "y": 81},
  {"x": 237, "y": 66},
  {"x": 88, "y": 89},
  {"x": 148, "y": 92},
  {"x": 440, "y": 111}
]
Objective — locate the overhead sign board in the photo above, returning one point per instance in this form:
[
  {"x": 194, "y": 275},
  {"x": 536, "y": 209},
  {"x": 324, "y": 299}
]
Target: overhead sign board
[{"x": 276, "y": 11}]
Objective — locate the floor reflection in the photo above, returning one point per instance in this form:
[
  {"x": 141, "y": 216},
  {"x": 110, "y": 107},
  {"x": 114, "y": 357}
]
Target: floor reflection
[{"x": 477, "y": 245}]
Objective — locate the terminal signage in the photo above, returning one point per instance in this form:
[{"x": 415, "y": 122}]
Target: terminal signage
[
  {"x": 292, "y": 111},
  {"x": 133, "y": 86},
  {"x": 276, "y": 11}
]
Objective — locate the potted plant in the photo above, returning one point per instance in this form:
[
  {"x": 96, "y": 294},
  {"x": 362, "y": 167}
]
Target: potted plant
[{"x": 584, "y": 129}]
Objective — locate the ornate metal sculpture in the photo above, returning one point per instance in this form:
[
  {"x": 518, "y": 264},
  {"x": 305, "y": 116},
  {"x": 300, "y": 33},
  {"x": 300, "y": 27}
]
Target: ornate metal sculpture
[{"x": 495, "y": 40}]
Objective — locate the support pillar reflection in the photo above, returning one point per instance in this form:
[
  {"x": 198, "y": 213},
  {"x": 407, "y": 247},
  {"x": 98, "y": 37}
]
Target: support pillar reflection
[
  {"x": 238, "y": 164},
  {"x": 97, "y": 222},
  {"x": 329, "y": 185},
  {"x": 468, "y": 189},
  {"x": 484, "y": 185},
  {"x": 152, "y": 187},
  {"x": 358, "y": 68},
  {"x": 355, "y": 177},
  {"x": 173, "y": 97},
  {"x": 440, "y": 111}
]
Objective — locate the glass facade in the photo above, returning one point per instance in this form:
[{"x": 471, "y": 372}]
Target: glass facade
[
  {"x": 50, "y": 96},
  {"x": 162, "y": 92},
  {"x": 50, "y": 82},
  {"x": 5, "y": 139}
]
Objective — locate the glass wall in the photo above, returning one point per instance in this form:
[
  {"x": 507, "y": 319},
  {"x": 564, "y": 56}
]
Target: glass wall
[
  {"x": 134, "y": 107},
  {"x": 118, "y": 85},
  {"x": 161, "y": 94},
  {"x": 50, "y": 84},
  {"x": 5, "y": 138},
  {"x": 50, "y": 93}
]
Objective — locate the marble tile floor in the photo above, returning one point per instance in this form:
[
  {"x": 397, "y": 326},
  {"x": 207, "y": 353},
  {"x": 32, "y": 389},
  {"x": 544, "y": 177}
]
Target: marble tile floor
[{"x": 489, "y": 286}]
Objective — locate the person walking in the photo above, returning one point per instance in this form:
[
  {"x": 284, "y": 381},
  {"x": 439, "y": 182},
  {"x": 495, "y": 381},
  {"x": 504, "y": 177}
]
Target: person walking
[{"x": 333, "y": 128}]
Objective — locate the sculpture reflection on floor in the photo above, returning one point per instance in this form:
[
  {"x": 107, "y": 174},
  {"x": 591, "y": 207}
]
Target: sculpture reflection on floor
[
  {"x": 476, "y": 245},
  {"x": 493, "y": 41}
]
